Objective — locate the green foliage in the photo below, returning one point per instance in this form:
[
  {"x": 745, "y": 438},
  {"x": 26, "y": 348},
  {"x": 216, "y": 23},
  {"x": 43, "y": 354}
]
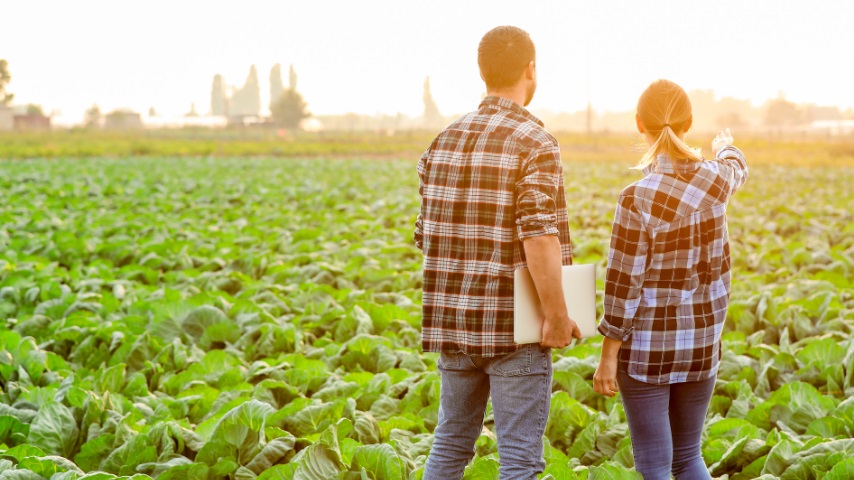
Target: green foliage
[
  {"x": 5, "y": 78},
  {"x": 186, "y": 318}
]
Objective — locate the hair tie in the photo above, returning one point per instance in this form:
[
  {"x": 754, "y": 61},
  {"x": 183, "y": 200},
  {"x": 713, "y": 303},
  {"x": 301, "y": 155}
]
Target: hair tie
[{"x": 665, "y": 125}]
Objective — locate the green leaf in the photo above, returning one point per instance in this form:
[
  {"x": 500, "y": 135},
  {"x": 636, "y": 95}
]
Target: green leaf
[
  {"x": 25, "y": 416},
  {"x": 48, "y": 465},
  {"x": 826, "y": 351},
  {"x": 780, "y": 457},
  {"x": 366, "y": 428},
  {"x": 112, "y": 379},
  {"x": 124, "y": 459},
  {"x": 574, "y": 384},
  {"x": 20, "y": 475},
  {"x": 23, "y": 451},
  {"x": 315, "y": 462},
  {"x": 315, "y": 418},
  {"x": 239, "y": 422},
  {"x": 729, "y": 459},
  {"x": 271, "y": 453},
  {"x": 215, "y": 450},
  {"x": 482, "y": 468},
  {"x": 199, "y": 319},
  {"x": 379, "y": 461},
  {"x": 795, "y": 404},
  {"x": 54, "y": 430},
  {"x": 185, "y": 471},
  {"x": 280, "y": 472},
  {"x": 612, "y": 471},
  {"x": 841, "y": 471}
]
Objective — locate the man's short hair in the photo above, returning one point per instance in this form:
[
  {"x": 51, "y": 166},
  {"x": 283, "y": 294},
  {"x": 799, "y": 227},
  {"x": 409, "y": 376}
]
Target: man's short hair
[{"x": 503, "y": 54}]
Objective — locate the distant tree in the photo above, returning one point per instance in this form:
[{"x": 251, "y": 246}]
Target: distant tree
[
  {"x": 292, "y": 78},
  {"x": 152, "y": 112},
  {"x": 33, "y": 109},
  {"x": 247, "y": 100},
  {"x": 432, "y": 117},
  {"x": 731, "y": 120},
  {"x": 781, "y": 113},
  {"x": 277, "y": 87},
  {"x": 92, "y": 117},
  {"x": 5, "y": 78},
  {"x": 192, "y": 112},
  {"x": 289, "y": 109},
  {"x": 219, "y": 99}
]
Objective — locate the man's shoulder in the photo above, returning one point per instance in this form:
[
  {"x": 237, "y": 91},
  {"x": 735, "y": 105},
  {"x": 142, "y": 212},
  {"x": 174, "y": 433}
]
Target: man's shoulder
[
  {"x": 527, "y": 133},
  {"x": 525, "y": 130},
  {"x": 536, "y": 135}
]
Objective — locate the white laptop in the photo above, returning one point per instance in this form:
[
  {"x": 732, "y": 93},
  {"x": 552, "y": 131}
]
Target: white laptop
[{"x": 579, "y": 291}]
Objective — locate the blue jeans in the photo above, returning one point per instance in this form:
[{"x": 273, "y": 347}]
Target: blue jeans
[
  {"x": 666, "y": 422},
  {"x": 520, "y": 383}
]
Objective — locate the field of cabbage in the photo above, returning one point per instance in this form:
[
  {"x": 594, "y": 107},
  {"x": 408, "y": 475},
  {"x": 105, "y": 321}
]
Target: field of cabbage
[{"x": 198, "y": 318}]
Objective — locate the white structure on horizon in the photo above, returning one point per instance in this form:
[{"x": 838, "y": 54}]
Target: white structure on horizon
[{"x": 833, "y": 127}]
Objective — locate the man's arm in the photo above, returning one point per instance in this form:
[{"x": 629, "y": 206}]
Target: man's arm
[
  {"x": 544, "y": 263},
  {"x": 536, "y": 221}
]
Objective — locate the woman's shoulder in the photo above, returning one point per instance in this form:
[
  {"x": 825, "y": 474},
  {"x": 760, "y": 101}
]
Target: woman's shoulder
[{"x": 643, "y": 189}]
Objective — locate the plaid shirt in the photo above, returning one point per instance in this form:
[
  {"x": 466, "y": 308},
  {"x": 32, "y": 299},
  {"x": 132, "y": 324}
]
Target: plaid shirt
[
  {"x": 490, "y": 180},
  {"x": 668, "y": 280}
]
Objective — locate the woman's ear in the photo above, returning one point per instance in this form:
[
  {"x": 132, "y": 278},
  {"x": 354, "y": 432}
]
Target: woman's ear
[{"x": 639, "y": 123}]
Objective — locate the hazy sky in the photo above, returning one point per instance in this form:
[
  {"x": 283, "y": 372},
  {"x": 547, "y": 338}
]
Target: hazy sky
[{"x": 372, "y": 56}]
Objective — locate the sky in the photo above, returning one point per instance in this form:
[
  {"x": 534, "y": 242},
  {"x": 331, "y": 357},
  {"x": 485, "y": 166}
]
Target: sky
[{"x": 372, "y": 57}]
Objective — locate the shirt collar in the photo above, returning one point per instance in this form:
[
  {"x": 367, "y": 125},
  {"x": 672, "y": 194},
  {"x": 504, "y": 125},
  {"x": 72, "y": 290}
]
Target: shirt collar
[
  {"x": 664, "y": 165},
  {"x": 502, "y": 103}
]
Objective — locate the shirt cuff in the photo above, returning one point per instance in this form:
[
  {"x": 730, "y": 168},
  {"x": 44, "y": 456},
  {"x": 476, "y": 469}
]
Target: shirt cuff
[
  {"x": 725, "y": 148},
  {"x": 531, "y": 230},
  {"x": 610, "y": 331}
]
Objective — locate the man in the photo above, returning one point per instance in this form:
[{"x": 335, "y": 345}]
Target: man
[{"x": 493, "y": 201}]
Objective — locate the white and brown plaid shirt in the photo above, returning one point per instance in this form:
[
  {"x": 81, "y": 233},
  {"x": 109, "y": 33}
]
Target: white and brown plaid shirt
[
  {"x": 490, "y": 180},
  {"x": 668, "y": 280}
]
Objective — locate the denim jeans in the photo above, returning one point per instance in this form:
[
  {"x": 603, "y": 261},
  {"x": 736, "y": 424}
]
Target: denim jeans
[
  {"x": 520, "y": 384},
  {"x": 666, "y": 423}
]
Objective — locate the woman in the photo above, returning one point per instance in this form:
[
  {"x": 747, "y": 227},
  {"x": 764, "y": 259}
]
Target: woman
[{"x": 667, "y": 287}]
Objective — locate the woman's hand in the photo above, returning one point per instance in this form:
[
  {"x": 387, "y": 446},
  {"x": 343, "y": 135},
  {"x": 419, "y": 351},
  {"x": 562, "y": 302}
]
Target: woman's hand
[
  {"x": 605, "y": 378},
  {"x": 722, "y": 139}
]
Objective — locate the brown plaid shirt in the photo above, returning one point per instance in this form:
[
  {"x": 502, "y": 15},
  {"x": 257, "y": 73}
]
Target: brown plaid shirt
[
  {"x": 490, "y": 180},
  {"x": 668, "y": 279}
]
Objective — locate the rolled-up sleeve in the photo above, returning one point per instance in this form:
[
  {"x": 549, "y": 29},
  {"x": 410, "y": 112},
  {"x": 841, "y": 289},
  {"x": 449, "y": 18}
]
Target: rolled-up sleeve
[
  {"x": 733, "y": 167},
  {"x": 536, "y": 193},
  {"x": 625, "y": 273},
  {"x": 419, "y": 222}
]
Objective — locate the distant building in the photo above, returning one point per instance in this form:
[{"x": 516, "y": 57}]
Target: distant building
[
  {"x": 7, "y": 118},
  {"x": 244, "y": 120},
  {"x": 123, "y": 120},
  {"x": 32, "y": 122}
]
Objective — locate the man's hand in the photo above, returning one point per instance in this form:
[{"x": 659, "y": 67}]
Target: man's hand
[
  {"x": 722, "y": 139},
  {"x": 605, "y": 378},
  {"x": 558, "y": 332}
]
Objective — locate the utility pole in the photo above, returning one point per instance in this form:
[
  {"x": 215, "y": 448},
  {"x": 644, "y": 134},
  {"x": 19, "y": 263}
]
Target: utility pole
[{"x": 589, "y": 103}]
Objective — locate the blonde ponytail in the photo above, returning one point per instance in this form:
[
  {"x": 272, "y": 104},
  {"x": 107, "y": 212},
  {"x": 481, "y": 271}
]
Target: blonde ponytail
[
  {"x": 671, "y": 145},
  {"x": 665, "y": 108}
]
